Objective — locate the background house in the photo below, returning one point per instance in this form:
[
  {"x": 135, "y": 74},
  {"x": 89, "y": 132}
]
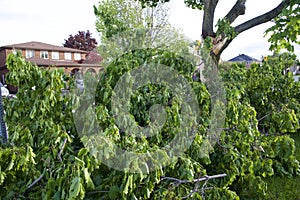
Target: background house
[
  {"x": 242, "y": 58},
  {"x": 72, "y": 61}
]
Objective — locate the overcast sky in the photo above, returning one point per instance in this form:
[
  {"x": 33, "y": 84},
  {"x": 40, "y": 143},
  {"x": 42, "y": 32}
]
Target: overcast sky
[{"x": 53, "y": 21}]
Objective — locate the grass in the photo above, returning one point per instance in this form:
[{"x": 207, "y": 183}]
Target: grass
[{"x": 283, "y": 188}]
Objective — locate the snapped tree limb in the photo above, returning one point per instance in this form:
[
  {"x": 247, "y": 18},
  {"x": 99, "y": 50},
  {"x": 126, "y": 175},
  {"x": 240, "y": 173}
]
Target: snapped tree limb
[{"x": 238, "y": 9}]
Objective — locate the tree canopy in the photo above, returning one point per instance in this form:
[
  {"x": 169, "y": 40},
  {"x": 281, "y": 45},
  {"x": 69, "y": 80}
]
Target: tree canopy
[{"x": 82, "y": 41}]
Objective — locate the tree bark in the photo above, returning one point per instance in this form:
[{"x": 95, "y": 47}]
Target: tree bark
[
  {"x": 262, "y": 18},
  {"x": 208, "y": 18},
  {"x": 238, "y": 9}
]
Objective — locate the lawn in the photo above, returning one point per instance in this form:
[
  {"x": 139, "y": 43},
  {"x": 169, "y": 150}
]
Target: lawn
[{"x": 283, "y": 188}]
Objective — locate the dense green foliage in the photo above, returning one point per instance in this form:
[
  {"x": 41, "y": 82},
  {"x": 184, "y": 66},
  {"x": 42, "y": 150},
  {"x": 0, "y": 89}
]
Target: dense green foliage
[
  {"x": 41, "y": 138},
  {"x": 45, "y": 156},
  {"x": 285, "y": 188},
  {"x": 284, "y": 34}
]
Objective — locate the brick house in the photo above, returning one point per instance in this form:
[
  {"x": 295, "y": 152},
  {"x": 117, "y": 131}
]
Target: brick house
[{"x": 72, "y": 61}]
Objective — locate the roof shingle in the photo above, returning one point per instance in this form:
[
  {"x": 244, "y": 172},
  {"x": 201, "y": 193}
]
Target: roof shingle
[{"x": 243, "y": 58}]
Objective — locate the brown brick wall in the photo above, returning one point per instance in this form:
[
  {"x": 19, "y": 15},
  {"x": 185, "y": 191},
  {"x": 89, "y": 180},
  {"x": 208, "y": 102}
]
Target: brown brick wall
[
  {"x": 37, "y": 53},
  {"x": 61, "y": 55},
  {"x": 2, "y": 57}
]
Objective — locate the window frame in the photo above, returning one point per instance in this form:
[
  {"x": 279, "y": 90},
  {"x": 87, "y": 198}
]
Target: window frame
[
  {"x": 77, "y": 56},
  {"x": 29, "y": 53},
  {"x": 43, "y": 54},
  {"x": 56, "y": 53},
  {"x": 69, "y": 57}
]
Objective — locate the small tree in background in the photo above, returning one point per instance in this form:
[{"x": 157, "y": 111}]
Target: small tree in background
[
  {"x": 125, "y": 24},
  {"x": 82, "y": 41}
]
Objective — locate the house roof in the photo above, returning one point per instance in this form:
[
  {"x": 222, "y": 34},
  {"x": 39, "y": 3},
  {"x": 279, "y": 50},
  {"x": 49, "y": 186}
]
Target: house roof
[
  {"x": 243, "y": 58},
  {"x": 93, "y": 57},
  {"x": 41, "y": 46}
]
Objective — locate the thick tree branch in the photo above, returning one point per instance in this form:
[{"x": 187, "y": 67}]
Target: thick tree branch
[
  {"x": 238, "y": 9},
  {"x": 208, "y": 18},
  {"x": 262, "y": 18}
]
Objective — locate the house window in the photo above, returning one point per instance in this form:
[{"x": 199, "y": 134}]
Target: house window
[
  {"x": 44, "y": 54},
  {"x": 77, "y": 56},
  {"x": 29, "y": 53},
  {"x": 68, "y": 56},
  {"x": 55, "y": 55}
]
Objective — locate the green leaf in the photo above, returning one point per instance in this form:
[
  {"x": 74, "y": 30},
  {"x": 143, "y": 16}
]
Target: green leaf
[
  {"x": 114, "y": 192},
  {"x": 88, "y": 180}
]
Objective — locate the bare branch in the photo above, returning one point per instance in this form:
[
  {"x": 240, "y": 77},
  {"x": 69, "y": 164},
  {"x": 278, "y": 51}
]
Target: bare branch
[
  {"x": 262, "y": 18},
  {"x": 238, "y": 9},
  {"x": 208, "y": 18},
  {"x": 61, "y": 149},
  {"x": 98, "y": 191},
  {"x": 203, "y": 188},
  {"x": 263, "y": 117},
  {"x": 204, "y": 178},
  {"x": 34, "y": 182},
  {"x": 194, "y": 190}
]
